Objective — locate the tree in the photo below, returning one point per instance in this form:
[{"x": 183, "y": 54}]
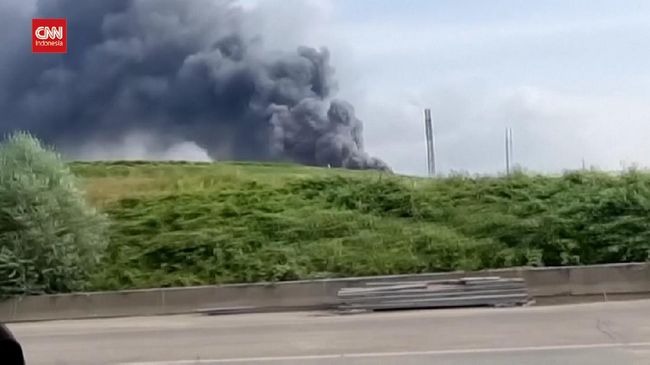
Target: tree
[{"x": 50, "y": 238}]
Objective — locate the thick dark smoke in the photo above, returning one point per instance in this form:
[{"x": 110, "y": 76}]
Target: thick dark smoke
[{"x": 180, "y": 71}]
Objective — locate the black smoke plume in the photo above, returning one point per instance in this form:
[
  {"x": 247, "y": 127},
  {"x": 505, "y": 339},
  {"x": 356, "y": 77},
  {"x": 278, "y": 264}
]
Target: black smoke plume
[{"x": 180, "y": 71}]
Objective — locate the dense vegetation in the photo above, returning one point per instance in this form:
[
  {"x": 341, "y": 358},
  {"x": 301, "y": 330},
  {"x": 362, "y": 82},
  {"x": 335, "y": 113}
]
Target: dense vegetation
[
  {"x": 183, "y": 223},
  {"x": 50, "y": 238}
]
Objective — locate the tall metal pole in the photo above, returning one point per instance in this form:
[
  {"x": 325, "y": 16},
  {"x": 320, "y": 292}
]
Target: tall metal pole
[
  {"x": 512, "y": 152},
  {"x": 507, "y": 152},
  {"x": 431, "y": 154},
  {"x": 426, "y": 138},
  {"x": 433, "y": 145}
]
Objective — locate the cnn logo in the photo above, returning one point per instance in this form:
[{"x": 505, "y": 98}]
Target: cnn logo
[{"x": 49, "y": 36}]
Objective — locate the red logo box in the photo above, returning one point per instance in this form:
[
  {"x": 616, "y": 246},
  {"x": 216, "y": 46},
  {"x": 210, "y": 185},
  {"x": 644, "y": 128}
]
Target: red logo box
[{"x": 49, "y": 36}]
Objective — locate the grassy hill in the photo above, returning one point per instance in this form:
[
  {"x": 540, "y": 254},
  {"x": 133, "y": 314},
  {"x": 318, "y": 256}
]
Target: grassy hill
[{"x": 197, "y": 223}]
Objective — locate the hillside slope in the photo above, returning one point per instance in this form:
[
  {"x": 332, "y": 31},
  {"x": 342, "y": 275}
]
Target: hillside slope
[{"x": 185, "y": 223}]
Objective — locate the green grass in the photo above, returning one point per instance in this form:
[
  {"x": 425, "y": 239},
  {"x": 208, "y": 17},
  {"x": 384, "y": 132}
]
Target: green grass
[{"x": 196, "y": 223}]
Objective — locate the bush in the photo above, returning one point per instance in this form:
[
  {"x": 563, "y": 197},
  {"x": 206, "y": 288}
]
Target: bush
[{"x": 50, "y": 239}]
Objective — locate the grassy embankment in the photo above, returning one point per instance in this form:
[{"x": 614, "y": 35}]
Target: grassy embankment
[{"x": 185, "y": 224}]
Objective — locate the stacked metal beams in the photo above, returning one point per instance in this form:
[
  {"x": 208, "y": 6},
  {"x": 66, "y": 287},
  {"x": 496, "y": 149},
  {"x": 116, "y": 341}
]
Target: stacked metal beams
[{"x": 464, "y": 292}]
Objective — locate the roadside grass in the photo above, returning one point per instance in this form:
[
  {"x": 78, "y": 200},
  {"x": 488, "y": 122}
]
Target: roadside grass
[{"x": 201, "y": 223}]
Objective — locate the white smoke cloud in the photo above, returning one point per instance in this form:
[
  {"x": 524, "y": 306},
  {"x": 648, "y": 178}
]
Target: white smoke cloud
[
  {"x": 186, "y": 151},
  {"x": 143, "y": 146}
]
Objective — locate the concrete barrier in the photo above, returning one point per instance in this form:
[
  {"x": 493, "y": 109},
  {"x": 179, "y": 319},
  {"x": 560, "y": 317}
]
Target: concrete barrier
[{"x": 569, "y": 281}]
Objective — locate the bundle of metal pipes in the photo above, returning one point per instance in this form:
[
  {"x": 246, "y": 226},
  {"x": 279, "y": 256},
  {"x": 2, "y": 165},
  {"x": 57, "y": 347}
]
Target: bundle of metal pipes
[{"x": 480, "y": 291}]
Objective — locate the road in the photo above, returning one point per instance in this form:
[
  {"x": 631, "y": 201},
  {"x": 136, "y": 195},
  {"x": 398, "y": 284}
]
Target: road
[{"x": 597, "y": 333}]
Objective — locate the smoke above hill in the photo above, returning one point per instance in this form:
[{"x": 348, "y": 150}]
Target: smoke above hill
[{"x": 179, "y": 73}]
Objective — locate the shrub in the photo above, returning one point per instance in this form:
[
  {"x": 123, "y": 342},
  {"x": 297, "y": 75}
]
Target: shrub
[{"x": 50, "y": 239}]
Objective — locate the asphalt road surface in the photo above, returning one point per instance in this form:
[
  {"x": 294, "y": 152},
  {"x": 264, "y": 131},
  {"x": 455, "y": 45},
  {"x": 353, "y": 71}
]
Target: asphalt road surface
[{"x": 597, "y": 333}]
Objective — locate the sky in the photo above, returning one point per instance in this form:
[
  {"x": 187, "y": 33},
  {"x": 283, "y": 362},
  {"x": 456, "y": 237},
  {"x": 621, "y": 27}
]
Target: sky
[{"x": 571, "y": 78}]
